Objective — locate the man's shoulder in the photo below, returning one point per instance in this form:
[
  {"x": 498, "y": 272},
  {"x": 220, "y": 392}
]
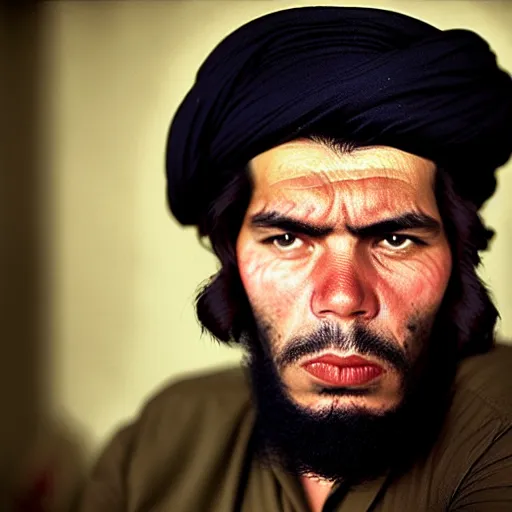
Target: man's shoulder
[
  {"x": 214, "y": 397},
  {"x": 473, "y": 452},
  {"x": 487, "y": 378},
  {"x": 228, "y": 380},
  {"x": 187, "y": 442}
]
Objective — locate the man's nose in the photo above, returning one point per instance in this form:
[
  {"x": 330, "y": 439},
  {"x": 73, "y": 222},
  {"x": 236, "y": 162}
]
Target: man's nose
[{"x": 344, "y": 287}]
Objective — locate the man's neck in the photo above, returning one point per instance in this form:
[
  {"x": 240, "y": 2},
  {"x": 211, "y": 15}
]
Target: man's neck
[{"x": 317, "y": 491}]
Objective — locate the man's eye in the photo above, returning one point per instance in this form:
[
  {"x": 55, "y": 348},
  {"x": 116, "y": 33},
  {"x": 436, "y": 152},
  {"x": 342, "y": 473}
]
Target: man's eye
[
  {"x": 285, "y": 242},
  {"x": 398, "y": 242}
]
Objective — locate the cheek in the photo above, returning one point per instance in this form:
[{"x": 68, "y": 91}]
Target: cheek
[
  {"x": 417, "y": 286},
  {"x": 271, "y": 288}
]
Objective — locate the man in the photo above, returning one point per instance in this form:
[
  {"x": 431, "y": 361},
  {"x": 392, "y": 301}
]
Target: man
[{"x": 336, "y": 158}]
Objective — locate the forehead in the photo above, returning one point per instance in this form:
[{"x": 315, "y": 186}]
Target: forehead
[{"x": 304, "y": 164}]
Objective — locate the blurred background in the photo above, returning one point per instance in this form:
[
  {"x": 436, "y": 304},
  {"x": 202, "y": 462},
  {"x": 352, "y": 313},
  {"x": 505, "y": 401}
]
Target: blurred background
[{"x": 98, "y": 281}]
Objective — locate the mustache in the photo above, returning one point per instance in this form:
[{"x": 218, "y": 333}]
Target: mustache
[{"x": 330, "y": 336}]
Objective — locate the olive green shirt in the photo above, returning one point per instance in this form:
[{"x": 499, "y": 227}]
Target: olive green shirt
[{"x": 189, "y": 451}]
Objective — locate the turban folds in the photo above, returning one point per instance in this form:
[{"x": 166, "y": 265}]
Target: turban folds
[{"x": 378, "y": 76}]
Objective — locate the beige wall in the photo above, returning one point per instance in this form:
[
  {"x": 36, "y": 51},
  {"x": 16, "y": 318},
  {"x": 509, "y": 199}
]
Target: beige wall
[{"x": 123, "y": 273}]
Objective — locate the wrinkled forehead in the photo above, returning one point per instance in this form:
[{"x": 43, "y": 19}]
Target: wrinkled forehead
[{"x": 307, "y": 164}]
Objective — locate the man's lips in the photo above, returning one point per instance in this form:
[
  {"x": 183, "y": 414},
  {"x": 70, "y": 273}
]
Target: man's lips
[{"x": 343, "y": 371}]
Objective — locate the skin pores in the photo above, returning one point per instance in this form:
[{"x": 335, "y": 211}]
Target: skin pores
[{"x": 314, "y": 247}]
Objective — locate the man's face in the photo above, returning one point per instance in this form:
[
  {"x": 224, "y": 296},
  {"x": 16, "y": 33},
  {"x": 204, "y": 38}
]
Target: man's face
[{"x": 351, "y": 242}]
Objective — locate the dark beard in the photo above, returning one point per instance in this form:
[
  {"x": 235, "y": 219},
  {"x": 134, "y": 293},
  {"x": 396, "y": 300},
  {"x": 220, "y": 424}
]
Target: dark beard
[{"x": 342, "y": 444}]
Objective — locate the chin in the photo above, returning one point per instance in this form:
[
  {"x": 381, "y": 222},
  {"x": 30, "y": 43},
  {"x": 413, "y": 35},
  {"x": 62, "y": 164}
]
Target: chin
[{"x": 349, "y": 401}]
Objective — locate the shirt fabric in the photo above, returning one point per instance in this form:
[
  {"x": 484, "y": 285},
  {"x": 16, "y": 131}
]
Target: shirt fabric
[{"x": 190, "y": 451}]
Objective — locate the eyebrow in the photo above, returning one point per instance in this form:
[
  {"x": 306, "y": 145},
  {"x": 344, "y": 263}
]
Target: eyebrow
[
  {"x": 399, "y": 223},
  {"x": 274, "y": 219}
]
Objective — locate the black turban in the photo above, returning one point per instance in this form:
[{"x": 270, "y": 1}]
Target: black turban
[{"x": 381, "y": 77}]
